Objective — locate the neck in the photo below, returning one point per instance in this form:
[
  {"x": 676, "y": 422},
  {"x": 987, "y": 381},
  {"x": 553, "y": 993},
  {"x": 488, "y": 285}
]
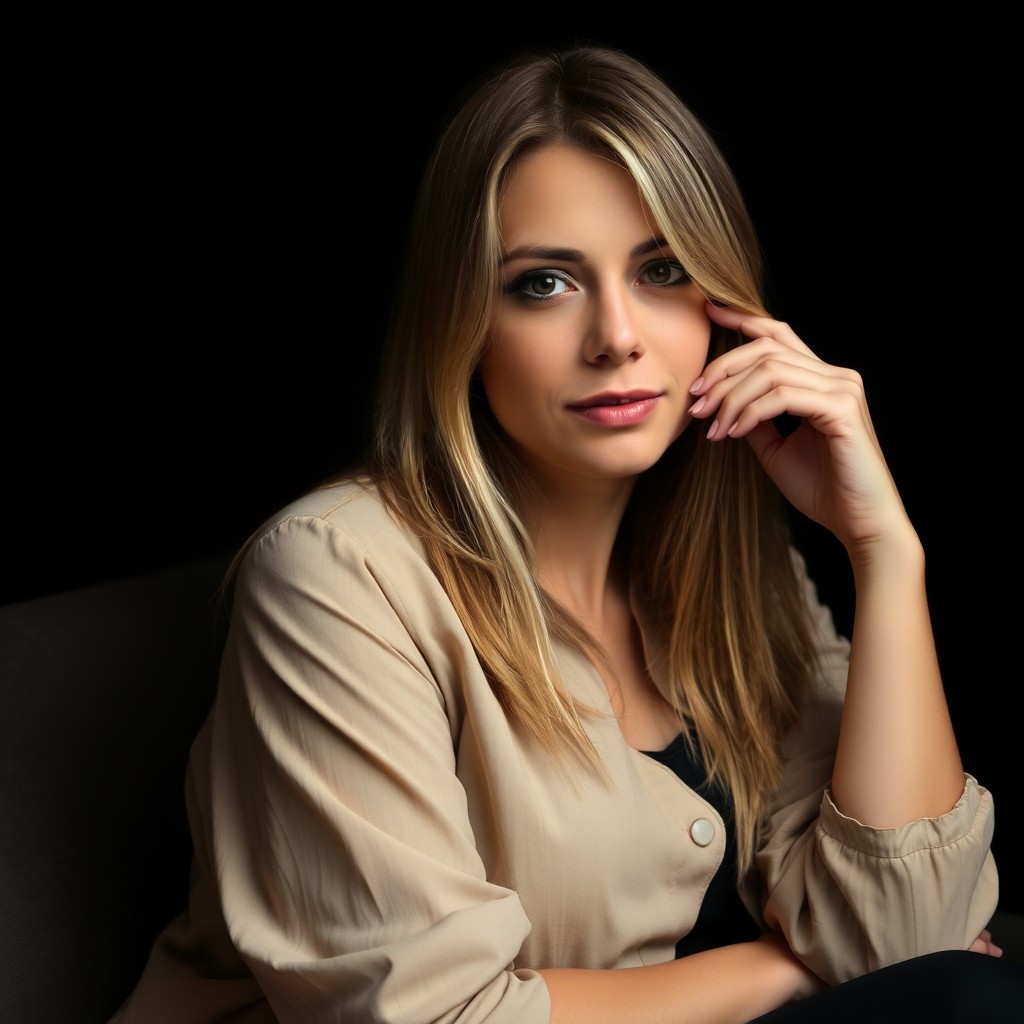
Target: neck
[{"x": 574, "y": 537}]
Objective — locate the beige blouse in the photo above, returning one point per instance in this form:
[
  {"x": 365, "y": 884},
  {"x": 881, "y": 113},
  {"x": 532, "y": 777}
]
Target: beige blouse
[{"x": 375, "y": 842}]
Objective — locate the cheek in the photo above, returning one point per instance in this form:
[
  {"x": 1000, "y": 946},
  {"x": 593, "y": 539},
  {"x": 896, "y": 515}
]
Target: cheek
[
  {"x": 690, "y": 345},
  {"x": 514, "y": 370},
  {"x": 701, "y": 353},
  {"x": 679, "y": 341},
  {"x": 507, "y": 394}
]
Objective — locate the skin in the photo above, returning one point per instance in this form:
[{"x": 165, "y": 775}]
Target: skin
[
  {"x": 585, "y": 313},
  {"x": 622, "y": 317}
]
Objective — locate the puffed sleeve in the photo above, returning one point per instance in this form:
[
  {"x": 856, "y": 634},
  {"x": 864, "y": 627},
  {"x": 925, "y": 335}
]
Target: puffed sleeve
[
  {"x": 346, "y": 866},
  {"x": 851, "y": 898}
]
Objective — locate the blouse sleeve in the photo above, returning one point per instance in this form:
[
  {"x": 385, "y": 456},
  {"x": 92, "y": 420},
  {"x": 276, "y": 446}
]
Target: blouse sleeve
[
  {"x": 851, "y": 898},
  {"x": 345, "y": 861}
]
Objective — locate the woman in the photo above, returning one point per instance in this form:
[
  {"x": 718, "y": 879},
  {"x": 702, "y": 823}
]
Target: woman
[{"x": 537, "y": 717}]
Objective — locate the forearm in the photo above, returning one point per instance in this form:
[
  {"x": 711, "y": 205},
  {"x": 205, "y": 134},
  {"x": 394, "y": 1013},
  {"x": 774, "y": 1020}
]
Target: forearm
[
  {"x": 897, "y": 758},
  {"x": 728, "y": 985}
]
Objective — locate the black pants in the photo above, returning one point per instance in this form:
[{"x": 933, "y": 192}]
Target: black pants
[{"x": 951, "y": 987}]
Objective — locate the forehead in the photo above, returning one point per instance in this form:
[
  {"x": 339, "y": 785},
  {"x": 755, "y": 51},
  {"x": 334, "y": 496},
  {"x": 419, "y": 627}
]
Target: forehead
[{"x": 562, "y": 194}]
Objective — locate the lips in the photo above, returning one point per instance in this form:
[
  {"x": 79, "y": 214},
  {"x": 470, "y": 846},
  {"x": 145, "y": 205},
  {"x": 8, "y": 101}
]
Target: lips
[
  {"x": 616, "y": 408},
  {"x": 614, "y": 398}
]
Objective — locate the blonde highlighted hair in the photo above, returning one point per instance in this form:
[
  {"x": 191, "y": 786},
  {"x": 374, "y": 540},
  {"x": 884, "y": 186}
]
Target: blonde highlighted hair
[{"x": 712, "y": 566}]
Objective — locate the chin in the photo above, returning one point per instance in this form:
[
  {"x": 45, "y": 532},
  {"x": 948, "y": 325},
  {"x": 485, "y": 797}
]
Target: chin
[{"x": 626, "y": 468}]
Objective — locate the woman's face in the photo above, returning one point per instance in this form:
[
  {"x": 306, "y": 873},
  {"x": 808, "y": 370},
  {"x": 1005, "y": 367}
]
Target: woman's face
[{"x": 598, "y": 333}]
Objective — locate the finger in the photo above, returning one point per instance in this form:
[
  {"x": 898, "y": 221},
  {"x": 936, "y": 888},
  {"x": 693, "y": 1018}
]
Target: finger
[
  {"x": 769, "y": 389},
  {"x": 754, "y": 326},
  {"x": 832, "y": 415},
  {"x": 739, "y": 360},
  {"x": 763, "y": 351},
  {"x": 988, "y": 948}
]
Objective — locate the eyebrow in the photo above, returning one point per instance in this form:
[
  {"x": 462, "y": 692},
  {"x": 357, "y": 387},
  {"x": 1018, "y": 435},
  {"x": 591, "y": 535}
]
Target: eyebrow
[{"x": 543, "y": 252}]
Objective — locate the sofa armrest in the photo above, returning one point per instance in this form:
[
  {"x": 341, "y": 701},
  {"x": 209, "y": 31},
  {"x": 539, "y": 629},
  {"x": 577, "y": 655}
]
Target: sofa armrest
[{"x": 104, "y": 689}]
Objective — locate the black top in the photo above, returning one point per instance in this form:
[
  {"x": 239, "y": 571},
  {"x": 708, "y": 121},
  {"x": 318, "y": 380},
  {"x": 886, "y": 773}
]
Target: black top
[{"x": 722, "y": 919}]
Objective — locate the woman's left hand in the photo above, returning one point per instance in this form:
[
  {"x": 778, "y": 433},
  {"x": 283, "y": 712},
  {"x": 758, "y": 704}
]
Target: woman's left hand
[
  {"x": 831, "y": 466},
  {"x": 984, "y": 944}
]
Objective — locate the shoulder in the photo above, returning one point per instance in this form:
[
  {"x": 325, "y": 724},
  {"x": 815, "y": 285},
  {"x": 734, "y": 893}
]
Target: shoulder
[
  {"x": 353, "y": 505},
  {"x": 332, "y": 533},
  {"x": 352, "y": 508},
  {"x": 334, "y": 570}
]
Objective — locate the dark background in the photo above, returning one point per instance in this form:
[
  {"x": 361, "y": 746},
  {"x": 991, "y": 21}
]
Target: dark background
[{"x": 204, "y": 213}]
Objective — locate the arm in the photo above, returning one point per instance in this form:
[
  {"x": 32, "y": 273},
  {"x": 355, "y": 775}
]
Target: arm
[
  {"x": 727, "y": 985},
  {"x": 879, "y": 847},
  {"x": 850, "y": 897},
  {"x": 896, "y": 724},
  {"x": 345, "y": 862},
  {"x": 897, "y": 758}
]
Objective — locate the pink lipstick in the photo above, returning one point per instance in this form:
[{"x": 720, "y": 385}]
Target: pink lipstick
[{"x": 617, "y": 408}]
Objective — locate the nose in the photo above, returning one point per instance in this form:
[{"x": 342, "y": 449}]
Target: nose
[{"x": 613, "y": 334}]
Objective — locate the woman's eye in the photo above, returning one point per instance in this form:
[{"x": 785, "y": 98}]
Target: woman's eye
[
  {"x": 538, "y": 284},
  {"x": 665, "y": 272}
]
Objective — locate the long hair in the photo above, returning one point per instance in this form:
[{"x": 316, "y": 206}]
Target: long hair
[{"x": 711, "y": 566}]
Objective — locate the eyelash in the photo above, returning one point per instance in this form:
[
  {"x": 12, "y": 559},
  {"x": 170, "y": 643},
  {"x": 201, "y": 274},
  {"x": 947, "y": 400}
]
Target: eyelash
[{"x": 519, "y": 285}]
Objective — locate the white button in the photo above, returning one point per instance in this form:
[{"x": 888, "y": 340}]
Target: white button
[{"x": 702, "y": 832}]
